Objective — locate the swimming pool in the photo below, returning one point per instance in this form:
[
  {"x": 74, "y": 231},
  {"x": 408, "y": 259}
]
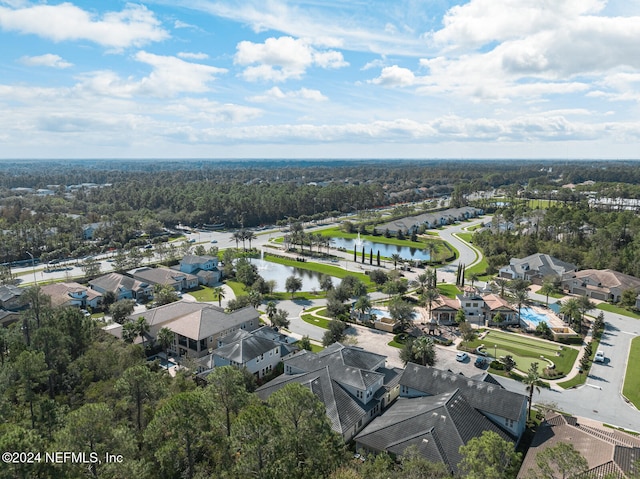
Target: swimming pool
[
  {"x": 534, "y": 318},
  {"x": 383, "y": 313},
  {"x": 163, "y": 362}
]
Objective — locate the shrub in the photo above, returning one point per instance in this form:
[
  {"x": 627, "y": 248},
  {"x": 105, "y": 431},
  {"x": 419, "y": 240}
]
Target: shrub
[{"x": 497, "y": 365}]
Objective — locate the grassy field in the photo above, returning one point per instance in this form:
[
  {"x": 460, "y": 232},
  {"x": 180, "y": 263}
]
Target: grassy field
[
  {"x": 448, "y": 290},
  {"x": 525, "y": 351},
  {"x": 631, "y": 389},
  {"x": 205, "y": 294},
  {"x": 615, "y": 309}
]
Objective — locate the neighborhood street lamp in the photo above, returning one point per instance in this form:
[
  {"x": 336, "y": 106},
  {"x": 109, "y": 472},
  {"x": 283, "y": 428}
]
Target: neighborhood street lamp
[
  {"x": 495, "y": 355},
  {"x": 33, "y": 266}
]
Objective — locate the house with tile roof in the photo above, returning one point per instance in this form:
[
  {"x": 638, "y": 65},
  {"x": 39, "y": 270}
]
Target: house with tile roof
[
  {"x": 72, "y": 294},
  {"x": 602, "y": 284},
  {"x": 11, "y": 297},
  {"x": 166, "y": 277},
  {"x": 197, "y": 326},
  {"x": 609, "y": 452},
  {"x": 354, "y": 385},
  {"x": 506, "y": 409},
  {"x": 124, "y": 287},
  {"x": 535, "y": 268},
  {"x": 477, "y": 308},
  {"x": 436, "y": 425}
]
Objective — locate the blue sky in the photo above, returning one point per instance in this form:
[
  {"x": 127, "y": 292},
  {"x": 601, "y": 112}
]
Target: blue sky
[{"x": 320, "y": 79}]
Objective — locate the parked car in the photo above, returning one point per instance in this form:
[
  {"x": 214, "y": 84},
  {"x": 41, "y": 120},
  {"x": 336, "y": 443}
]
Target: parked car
[
  {"x": 462, "y": 356},
  {"x": 599, "y": 357},
  {"x": 214, "y": 241},
  {"x": 480, "y": 362}
]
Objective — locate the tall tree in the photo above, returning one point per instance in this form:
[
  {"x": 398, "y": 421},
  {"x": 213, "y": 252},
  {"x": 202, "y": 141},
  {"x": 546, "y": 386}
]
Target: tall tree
[
  {"x": 30, "y": 368},
  {"x": 121, "y": 309},
  {"x": 424, "y": 351},
  {"x": 228, "y": 392},
  {"x": 165, "y": 339},
  {"x": 138, "y": 386},
  {"x": 532, "y": 382},
  {"x": 292, "y": 285},
  {"x": 218, "y": 293},
  {"x": 489, "y": 457},
  {"x": 561, "y": 461},
  {"x": 308, "y": 447}
]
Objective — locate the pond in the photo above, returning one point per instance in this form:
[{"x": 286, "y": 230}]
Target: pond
[
  {"x": 279, "y": 273},
  {"x": 386, "y": 250}
]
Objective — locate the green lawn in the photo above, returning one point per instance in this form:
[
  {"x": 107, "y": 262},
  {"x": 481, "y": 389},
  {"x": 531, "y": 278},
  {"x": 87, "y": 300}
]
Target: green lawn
[
  {"x": 307, "y": 317},
  {"x": 615, "y": 309},
  {"x": 448, "y": 290},
  {"x": 525, "y": 350},
  {"x": 204, "y": 294},
  {"x": 581, "y": 378},
  {"x": 631, "y": 389}
]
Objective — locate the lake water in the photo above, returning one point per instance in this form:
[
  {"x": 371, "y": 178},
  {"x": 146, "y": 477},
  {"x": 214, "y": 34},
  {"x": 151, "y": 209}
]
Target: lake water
[
  {"x": 279, "y": 273},
  {"x": 385, "y": 249}
]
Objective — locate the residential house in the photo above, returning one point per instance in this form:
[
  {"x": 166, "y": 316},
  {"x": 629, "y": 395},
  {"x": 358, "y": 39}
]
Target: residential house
[
  {"x": 609, "y": 452},
  {"x": 166, "y": 277},
  {"x": 72, "y": 294},
  {"x": 437, "y": 426},
  {"x": 11, "y": 297},
  {"x": 477, "y": 308},
  {"x": 535, "y": 268},
  {"x": 605, "y": 285},
  {"x": 11, "y": 304},
  {"x": 431, "y": 220},
  {"x": 506, "y": 409},
  {"x": 89, "y": 230},
  {"x": 196, "y": 326},
  {"x": 354, "y": 384},
  {"x": 259, "y": 351},
  {"x": 204, "y": 267},
  {"x": 124, "y": 287}
]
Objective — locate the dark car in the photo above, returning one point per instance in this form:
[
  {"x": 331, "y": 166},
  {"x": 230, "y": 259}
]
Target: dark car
[{"x": 480, "y": 362}]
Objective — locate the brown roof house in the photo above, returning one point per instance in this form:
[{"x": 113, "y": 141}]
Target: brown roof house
[
  {"x": 166, "y": 277},
  {"x": 196, "y": 326},
  {"x": 477, "y": 308},
  {"x": 609, "y": 453},
  {"x": 602, "y": 284},
  {"x": 72, "y": 294},
  {"x": 124, "y": 287}
]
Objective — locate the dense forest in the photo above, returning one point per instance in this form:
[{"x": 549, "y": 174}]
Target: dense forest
[{"x": 134, "y": 198}]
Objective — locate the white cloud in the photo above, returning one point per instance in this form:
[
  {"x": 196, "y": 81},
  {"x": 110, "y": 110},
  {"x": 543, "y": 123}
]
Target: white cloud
[
  {"x": 276, "y": 94},
  {"x": 395, "y": 76},
  {"x": 135, "y": 25},
  {"x": 283, "y": 58},
  {"x": 170, "y": 76},
  {"x": 193, "y": 56},
  {"x": 46, "y": 60}
]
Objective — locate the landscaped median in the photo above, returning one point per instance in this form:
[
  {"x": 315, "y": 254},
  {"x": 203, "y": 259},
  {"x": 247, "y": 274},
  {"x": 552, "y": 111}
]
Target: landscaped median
[{"x": 631, "y": 389}]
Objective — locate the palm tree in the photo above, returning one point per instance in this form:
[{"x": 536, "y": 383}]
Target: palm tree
[
  {"x": 129, "y": 332},
  {"x": 218, "y": 293},
  {"x": 237, "y": 235},
  {"x": 429, "y": 297},
  {"x": 250, "y": 236},
  {"x": 422, "y": 282},
  {"x": 547, "y": 289},
  {"x": 271, "y": 311},
  {"x": 424, "y": 351},
  {"x": 142, "y": 328},
  {"x": 165, "y": 338},
  {"x": 395, "y": 257},
  {"x": 473, "y": 277},
  {"x": 585, "y": 305},
  {"x": 571, "y": 310},
  {"x": 363, "y": 304},
  {"x": 501, "y": 284},
  {"x": 532, "y": 383},
  {"x": 521, "y": 296}
]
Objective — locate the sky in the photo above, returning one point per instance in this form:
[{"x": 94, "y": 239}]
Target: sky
[{"x": 320, "y": 79}]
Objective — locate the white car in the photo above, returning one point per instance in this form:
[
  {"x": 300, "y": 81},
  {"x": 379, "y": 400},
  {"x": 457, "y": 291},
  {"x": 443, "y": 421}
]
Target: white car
[
  {"x": 599, "y": 357},
  {"x": 462, "y": 356}
]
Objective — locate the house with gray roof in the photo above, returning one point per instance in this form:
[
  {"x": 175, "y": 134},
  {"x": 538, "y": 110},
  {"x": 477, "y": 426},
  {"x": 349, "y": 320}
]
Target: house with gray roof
[
  {"x": 259, "y": 351},
  {"x": 166, "y": 277},
  {"x": 197, "y": 326},
  {"x": 124, "y": 287},
  {"x": 204, "y": 267},
  {"x": 354, "y": 384},
  {"x": 436, "y": 425},
  {"x": 506, "y": 409},
  {"x": 535, "y": 268},
  {"x": 11, "y": 297}
]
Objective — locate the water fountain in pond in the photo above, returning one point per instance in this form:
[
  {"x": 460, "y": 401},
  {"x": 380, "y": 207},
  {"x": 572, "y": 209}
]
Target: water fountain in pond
[{"x": 262, "y": 265}]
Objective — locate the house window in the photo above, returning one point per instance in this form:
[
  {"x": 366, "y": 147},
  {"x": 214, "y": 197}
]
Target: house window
[{"x": 182, "y": 341}]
